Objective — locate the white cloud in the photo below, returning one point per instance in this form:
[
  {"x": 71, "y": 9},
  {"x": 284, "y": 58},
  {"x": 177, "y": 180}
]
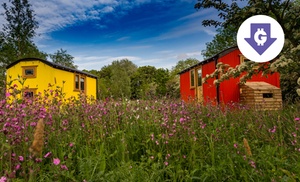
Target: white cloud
[
  {"x": 186, "y": 29},
  {"x": 160, "y": 59},
  {"x": 139, "y": 47},
  {"x": 97, "y": 62},
  {"x": 196, "y": 54},
  {"x": 182, "y": 56},
  {"x": 53, "y": 15},
  {"x": 188, "y": 25},
  {"x": 197, "y": 15},
  {"x": 123, "y": 38}
]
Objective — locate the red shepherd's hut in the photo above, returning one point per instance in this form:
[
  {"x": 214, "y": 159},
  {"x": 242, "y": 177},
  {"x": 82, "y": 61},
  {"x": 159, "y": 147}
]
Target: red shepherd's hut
[{"x": 191, "y": 86}]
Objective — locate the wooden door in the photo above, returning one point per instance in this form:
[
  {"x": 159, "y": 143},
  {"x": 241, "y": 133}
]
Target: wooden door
[{"x": 199, "y": 89}]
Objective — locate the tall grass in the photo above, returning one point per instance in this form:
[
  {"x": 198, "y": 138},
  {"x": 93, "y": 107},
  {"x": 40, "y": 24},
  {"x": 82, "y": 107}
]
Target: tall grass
[{"x": 153, "y": 140}]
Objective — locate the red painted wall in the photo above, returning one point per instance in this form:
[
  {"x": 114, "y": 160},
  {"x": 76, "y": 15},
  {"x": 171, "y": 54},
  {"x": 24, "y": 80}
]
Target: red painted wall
[
  {"x": 209, "y": 89},
  {"x": 273, "y": 79},
  {"x": 185, "y": 91},
  {"x": 229, "y": 90}
]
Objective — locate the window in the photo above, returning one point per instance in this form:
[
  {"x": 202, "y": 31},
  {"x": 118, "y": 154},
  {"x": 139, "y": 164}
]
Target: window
[
  {"x": 29, "y": 71},
  {"x": 199, "y": 77},
  {"x": 192, "y": 77},
  {"x": 243, "y": 59},
  {"x": 76, "y": 82},
  {"x": 82, "y": 83},
  {"x": 79, "y": 83},
  {"x": 267, "y": 95},
  {"x": 29, "y": 92}
]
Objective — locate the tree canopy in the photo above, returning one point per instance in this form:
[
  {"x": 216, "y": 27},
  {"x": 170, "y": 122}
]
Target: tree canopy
[
  {"x": 19, "y": 31},
  {"x": 287, "y": 15},
  {"x": 63, "y": 58},
  {"x": 16, "y": 37},
  {"x": 225, "y": 38}
]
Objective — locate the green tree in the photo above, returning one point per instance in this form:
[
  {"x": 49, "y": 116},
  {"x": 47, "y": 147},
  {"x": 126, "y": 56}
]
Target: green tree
[
  {"x": 105, "y": 72},
  {"x": 286, "y": 13},
  {"x": 115, "y": 79},
  {"x": 16, "y": 37},
  {"x": 63, "y": 58},
  {"x": 183, "y": 64},
  {"x": 142, "y": 83},
  {"x": 20, "y": 29},
  {"x": 225, "y": 38},
  {"x": 161, "y": 79}
]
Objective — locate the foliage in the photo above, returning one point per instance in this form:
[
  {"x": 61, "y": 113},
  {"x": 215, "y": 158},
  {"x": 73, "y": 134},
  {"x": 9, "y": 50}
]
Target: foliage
[
  {"x": 63, "y": 58},
  {"x": 153, "y": 140},
  {"x": 286, "y": 13},
  {"x": 20, "y": 28},
  {"x": 161, "y": 79},
  {"x": 123, "y": 79},
  {"x": 114, "y": 80},
  {"x": 173, "y": 83},
  {"x": 17, "y": 34},
  {"x": 142, "y": 82},
  {"x": 148, "y": 82},
  {"x": 183, "y": 64},
  {"x": 298, "y": 90},
  {"x": 225, "y": 38}
]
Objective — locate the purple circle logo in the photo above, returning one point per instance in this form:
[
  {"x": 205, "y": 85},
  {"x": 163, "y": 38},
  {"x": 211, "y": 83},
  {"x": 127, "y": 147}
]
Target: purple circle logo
[{"x": 260, "y": 38}]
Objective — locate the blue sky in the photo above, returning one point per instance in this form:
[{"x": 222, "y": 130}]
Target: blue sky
[{"x": 147, "y": 32}]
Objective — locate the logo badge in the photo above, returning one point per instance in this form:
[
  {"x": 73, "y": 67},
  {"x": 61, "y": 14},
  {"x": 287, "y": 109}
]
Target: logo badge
[{"x": 260, "y": 38}]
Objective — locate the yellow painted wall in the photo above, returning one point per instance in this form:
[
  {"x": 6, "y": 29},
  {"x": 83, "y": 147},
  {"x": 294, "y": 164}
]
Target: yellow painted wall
[
  {"x": 46, "y": 75},
  {"x": 91, "y": 89}
]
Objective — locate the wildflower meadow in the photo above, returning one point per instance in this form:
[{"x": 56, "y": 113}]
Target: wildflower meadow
[{"x": 51, "y": 138}]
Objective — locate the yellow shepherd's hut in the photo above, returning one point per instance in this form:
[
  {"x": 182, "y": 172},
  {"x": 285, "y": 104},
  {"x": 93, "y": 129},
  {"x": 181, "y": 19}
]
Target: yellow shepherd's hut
[{"x": 39, "y": 74}]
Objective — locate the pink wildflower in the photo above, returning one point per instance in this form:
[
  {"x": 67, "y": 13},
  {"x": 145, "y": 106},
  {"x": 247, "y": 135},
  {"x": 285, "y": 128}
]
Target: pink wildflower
[
  {"x": 166, "y": 163},
  {"x": 38, "y": 160},
  {"x": 56, "y": 161},
  {"x": 71, "y": 145},
  {"x": 7, "y": 94},
  {"x": 181, "y": 120},
  {"x": 18, "y": 166},
  {"x": 235, "y": 145},
  {"x": 252, "y": 163},
  {"x": 152, "y": 137},
  {"x": 21, "y": 158},
  {"x": 297, "y": 119},
  {"x": 3, "y": 179},
  {"x": 64, "y": 167},
  {"x": 273, "y": 130},
  {"x": 47, "y": 155}
]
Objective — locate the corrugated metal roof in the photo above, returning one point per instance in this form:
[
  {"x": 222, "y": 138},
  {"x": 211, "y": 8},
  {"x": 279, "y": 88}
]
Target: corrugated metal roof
[
  {"x": 220, "y": 54},
  {"x": 54, "y": 65}
]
